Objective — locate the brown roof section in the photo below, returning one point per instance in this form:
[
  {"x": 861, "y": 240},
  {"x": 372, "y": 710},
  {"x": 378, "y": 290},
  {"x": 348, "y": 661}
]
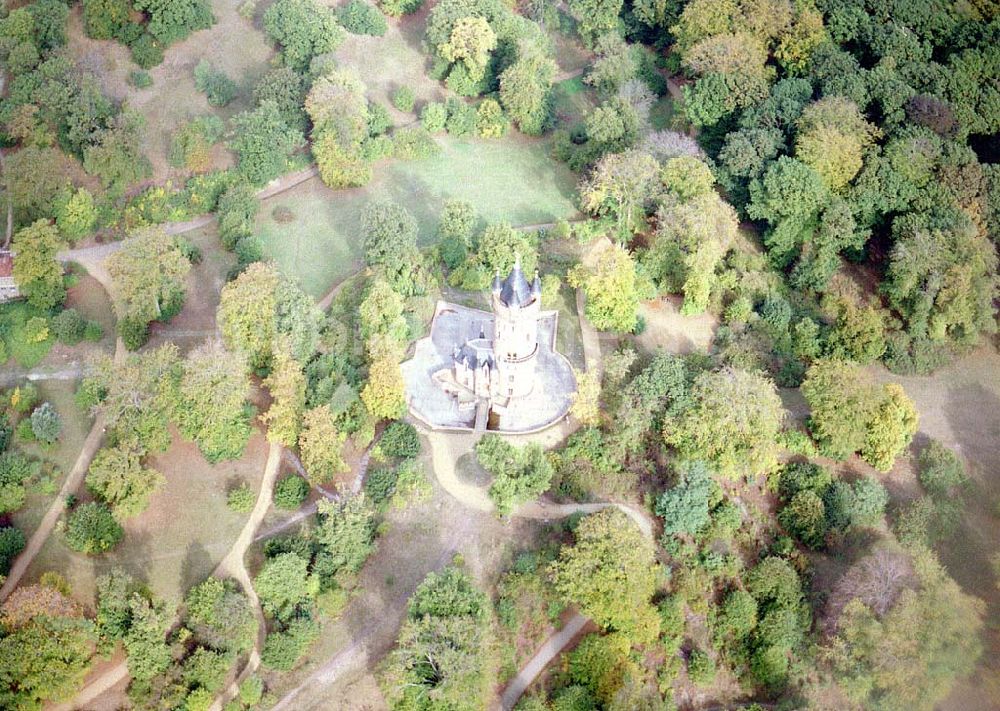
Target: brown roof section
[{"x": 6, "y": 264}]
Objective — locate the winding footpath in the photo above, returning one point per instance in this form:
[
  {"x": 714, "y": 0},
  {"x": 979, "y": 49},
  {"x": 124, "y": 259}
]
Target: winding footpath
[{"x": 233, "y": 566}]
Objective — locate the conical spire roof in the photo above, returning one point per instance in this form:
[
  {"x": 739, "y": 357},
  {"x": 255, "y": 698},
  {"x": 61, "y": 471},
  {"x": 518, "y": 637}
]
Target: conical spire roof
[{"x": 515, "y": 290}]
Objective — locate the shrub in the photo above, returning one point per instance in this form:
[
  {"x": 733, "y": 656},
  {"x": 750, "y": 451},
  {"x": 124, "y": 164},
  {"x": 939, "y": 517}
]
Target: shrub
[
  {"x": 36, "y": 329},
  {"x": 146, "y": 51},
  {"x": 290, "y": 492},
  {"x": 701, "y": 668},
  {"x": 395, "y": 8},
  {"x": 412, "y": 143},
  {"x": 93, "y": 332},
  {"x": 434, "y": 116},
  {"x": 360, "y": 18},
  {"x": 11, "y": 543},
  {"x": 23, "y": 431},
  {"x": 69, "y": 326},
  {"x": 91, "y": 528},
  {"x": 941, "y": 471},
  {"x": 46, "y": 423},
  {"x": 241, "y": 499},
  {"x": 461, "y": 117},
  {"x": 490, "y": 120},
  {"x": 283, "y": 649},
  {"x": 403, "y": 99},
  {"x": 251, "y": 691},
  {"x": 214, "y": 84},
  {"x": 140, "y": 79},
  {"x": 379, "y": 119},
  {"x": 400, "y": 439}
]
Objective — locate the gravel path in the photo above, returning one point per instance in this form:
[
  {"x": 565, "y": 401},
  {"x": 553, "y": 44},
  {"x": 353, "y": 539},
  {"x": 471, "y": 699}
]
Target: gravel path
[{"x": 536, "y": 665}]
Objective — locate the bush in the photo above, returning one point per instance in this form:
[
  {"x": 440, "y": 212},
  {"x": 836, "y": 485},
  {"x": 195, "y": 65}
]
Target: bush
[
  {"x": 379, "y": 119},
  {"x": 23, "y": 431},
  {"x": 490, "y": 120},
  {"x": 92, "y": 528},
  {"x": 461, "y": 117},
  {"x": 380, "y": 485},
  {"x": 395, "y": 8},
  {"x": 701, "y": 668},
  {"x": 412, "y": 143},
  {"x": 360, "y": 18},
  {"x": 400, "y": 439},
  {"x": 11, "y": 543},
  {"x": 290, "y": 492},
  {"x": 69, "y": 326},
  {"x": 93, "y": 332},
  {"x": 140, "y": 79},
  {"x": 283, "y": 649},
  {"x": 146, "y": 51},
  {"x": 433, "y": 116},
  {"x": 214, "y": 84},
  {"x": 403, "y": 99},
  {"x": 46, "y": 423},
  {"x": 36, "y": 329},
  {"x": 941, "y": 471},
  {"x": 241, "y": 499},
  {"x": 251, "y": 691}
]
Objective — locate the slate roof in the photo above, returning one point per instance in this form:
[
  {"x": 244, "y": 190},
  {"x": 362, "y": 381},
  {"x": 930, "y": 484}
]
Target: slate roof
[{"x": 515, "y": 290}]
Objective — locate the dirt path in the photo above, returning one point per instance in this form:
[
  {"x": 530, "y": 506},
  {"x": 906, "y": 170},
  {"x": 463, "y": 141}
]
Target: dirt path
[
  {"x": 99, "y": 252},
  {"x": 233, "y": 566},
  {"x": 536, "y": 665},
  {"x": 75, "y": 478}
]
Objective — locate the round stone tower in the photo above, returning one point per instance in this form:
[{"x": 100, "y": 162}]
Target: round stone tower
[{"x": 516, "y": 305}]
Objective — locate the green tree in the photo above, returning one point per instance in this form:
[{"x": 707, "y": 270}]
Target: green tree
[
  {"x": 733, "y": 422},
  {"x": 287, "y": 384},
  {"x": 850, "y": 414},
  {"x": 304, "y": 29},
  {"x": 622, "y": 186},
  {"x": 220, "y": 615},
  {"x": 145, "y": 641},
  {"x": 92, "y": 529},
  {"x": 805, "y": 518},
  {"x": 595, "y": 17},
  {"x": 338, "y": 108},
  {"x": 941, "y": 471},
  {"x": 519, "y": 474},
  {"x": 36, "y": 270},
  {"x": 118, "y": 477},
  {"x": 389, "y": 238},
  {"x": 684, "y": 507},
  {"x": 346, "y": 534},
  {"x": 263, "y": 140},
  {"x": 609, "y": 573},
  {"x": 45, "y": 660},
  {"x": 172, "y": 20},
  {"x": 610, "y": 285},
  {"x": 442, "y": 657},
  {"x": 910, "y": 656},
  {"x": 115, "y": 155},
  {"x": 525, "y": 91},
  {"x": 321, "y": 445},
  {"x": 212, "y": 410},
  {"x": 34, "y": 177},
  {"x": 149, "y": 275},
  {"x": 46, "y": 423},
  {"x": 136, "y": 396},
  {"x": 285, "y": 586}
]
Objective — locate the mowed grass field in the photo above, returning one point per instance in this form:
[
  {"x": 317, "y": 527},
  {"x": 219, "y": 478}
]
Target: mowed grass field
[{"x": 514, "y": 179}]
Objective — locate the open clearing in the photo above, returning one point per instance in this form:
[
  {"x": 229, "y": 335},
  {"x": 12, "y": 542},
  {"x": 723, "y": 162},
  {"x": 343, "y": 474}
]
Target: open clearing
[
  {"x": 180, "y": 538},
  {"x": 320, "y": 245}
]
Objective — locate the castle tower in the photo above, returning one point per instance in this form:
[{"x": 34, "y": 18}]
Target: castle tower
[{"x": 516, "y": 305}]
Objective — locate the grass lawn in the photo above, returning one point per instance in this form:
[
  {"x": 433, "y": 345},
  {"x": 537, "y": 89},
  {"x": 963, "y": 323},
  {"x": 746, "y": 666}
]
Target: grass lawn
[
  {"x": 13, "y": 317},
  {"x": 61, "y": 454},
  {"x": 320, "y": 244},
  {"x": 180, "y": 538},
  {"x": 572, "y": 100}
]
